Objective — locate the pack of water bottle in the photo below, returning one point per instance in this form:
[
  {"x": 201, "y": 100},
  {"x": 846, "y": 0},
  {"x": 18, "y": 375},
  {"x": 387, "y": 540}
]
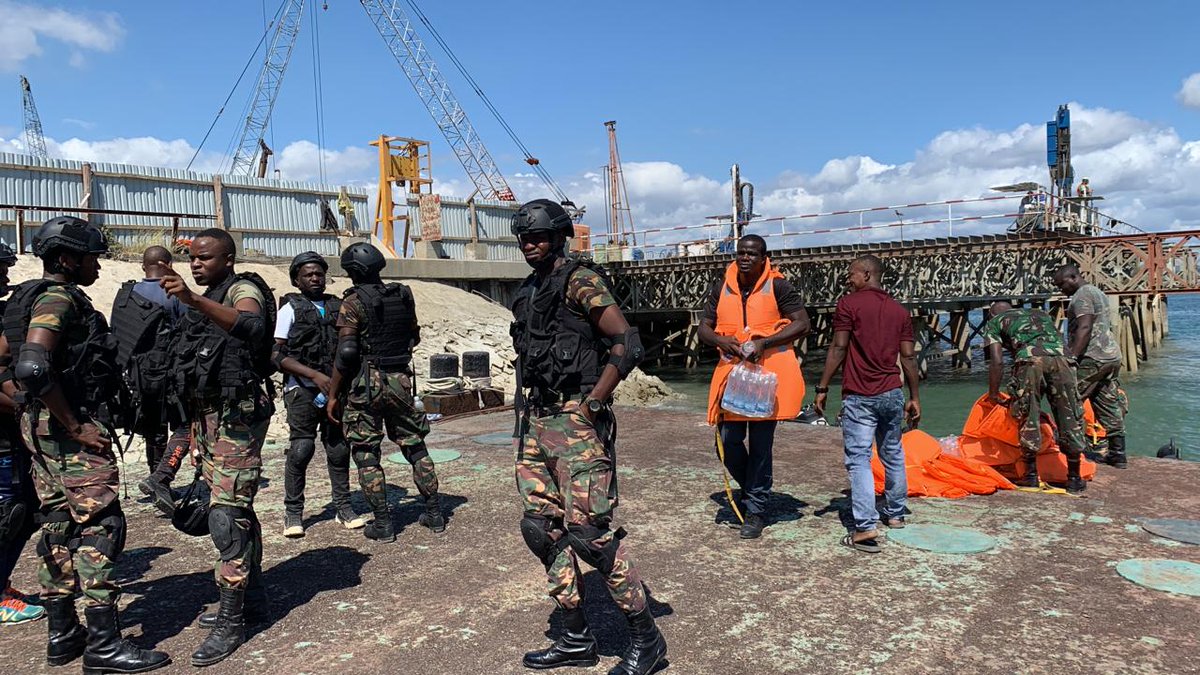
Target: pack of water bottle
[{"x": 750, "y": 391}]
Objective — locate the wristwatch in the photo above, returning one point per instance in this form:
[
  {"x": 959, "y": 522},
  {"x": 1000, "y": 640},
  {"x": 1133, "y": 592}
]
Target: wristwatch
[
  {"x": 594, "y": 405},
  {"x": 821, "y": 390}
]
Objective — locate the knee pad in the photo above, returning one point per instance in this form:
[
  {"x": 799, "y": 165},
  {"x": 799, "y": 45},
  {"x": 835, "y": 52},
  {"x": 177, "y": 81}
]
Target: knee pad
[
  {"x": 583, "y": 540},
  {"x": 535, "y": 530},
  {"x": 415, "y": 453},
  {"x": 366, "y": 457},
  {"x": 112, "y": 542},
  {"x": 231, "y": 539}
]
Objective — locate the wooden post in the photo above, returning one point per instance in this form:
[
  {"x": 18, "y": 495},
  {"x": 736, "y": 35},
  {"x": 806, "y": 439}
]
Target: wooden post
[
  {"x": 960, "y": 333},
  {"x": 86, "y": 175},
  {"x": 219, "y": 202},
  {"x": 20, "y": 235}
]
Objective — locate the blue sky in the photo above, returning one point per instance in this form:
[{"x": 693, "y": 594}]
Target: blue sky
[{"x": 823, "y": 105}]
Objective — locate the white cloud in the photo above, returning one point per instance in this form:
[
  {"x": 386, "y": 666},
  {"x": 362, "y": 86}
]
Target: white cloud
[
  {"x": 1189, "y": 93},
  {"x": 83, "y": 124},
  {"x": 26, "y": 25},
  {"x": 301, "y": 161}
]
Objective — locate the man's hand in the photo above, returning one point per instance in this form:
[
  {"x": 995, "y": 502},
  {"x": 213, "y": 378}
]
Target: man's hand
[
  {"x": 322, "y": 382},
  {"x": 912, "y": 413},
  {"x": 729, "y": 346},
  {"x": 174, "y": 285},
  {"x": 819, "y": 403},
  {"x": 89, "y": 436},
  {"x": 333, "y": 409},
  {"x": 759, "y": 345}
]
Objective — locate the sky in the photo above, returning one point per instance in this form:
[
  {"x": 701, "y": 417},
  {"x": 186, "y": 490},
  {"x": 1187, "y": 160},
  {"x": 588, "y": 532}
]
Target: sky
[{"x": 825, "y": 106}]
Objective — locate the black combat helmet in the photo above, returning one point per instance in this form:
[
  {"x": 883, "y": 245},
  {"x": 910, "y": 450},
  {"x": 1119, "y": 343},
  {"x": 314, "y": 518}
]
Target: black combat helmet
[
  {"x": 541, "y": 215},
  {"x": 362, "y": 259},
  {"x": 70, "y": 233},
  {"x": 304, "y": 259},
  {"x": 7, "y": 255}
]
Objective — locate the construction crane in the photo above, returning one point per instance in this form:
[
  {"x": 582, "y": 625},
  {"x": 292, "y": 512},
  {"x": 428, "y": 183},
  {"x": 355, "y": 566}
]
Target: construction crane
[
  {"x": 620, "y": 218},
  {"x": 35, "y": 142},
  {"x": 269, "y": 79},
  {"x": 407, "y": 47}
]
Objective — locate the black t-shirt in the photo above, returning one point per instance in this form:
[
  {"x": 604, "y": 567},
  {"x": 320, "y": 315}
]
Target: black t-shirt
[{"x": 786, "y": 297}]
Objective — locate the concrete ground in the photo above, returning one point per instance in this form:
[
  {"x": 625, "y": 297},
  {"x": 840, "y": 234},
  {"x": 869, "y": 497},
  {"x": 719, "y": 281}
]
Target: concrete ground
[{"x": 471, "y": 600}]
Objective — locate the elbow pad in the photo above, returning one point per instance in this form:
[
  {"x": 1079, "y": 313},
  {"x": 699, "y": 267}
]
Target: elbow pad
[
  {"x": 248, "y": 327},
  {"x": 348, "y": 358},
  {"x": 279, "y": 352},
  {"x": 631, "y": 355},
  {"x": 33, "y": 369}
]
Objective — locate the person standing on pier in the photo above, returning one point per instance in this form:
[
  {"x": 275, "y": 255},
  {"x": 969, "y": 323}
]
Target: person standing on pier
[
  {"x": 573, "y": 347},
  {"x": 373, "y": 377},
  {"x": 753, "y": 314},
  {"x": 222, "y": 362},
  {"x": 1097, "y": 357},
  {"x": 870, "y": 332},
  {"x": 1040, "y": 369}
]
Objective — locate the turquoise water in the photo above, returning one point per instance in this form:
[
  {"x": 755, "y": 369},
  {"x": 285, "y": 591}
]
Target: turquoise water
[{"x": 1163, "y": 395}]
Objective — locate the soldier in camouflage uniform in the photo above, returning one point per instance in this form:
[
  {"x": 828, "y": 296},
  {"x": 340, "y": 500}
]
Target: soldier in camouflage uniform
[
  {"x": 573, "y": 347},
  {"x": 62, "y": 356},
  {"x": 1040, "y": 370},
  {"x": 219, "y": 360},
  {"x": 1097, "y": 357},
  {"x": 377, "y": 330}
]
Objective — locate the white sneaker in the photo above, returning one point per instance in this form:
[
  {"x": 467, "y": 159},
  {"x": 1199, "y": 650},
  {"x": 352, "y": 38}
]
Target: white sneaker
[
  {"x": 349, "y": 519},
  {"x": 293, "y": 526}
]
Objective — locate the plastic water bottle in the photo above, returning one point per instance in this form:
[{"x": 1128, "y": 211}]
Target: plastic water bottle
[
  {"x": 950, "y": 446},
  {"x": 320, "y": 400},
  {"x": 8, "y": 487},
  {"x": 766, "y": 394}
]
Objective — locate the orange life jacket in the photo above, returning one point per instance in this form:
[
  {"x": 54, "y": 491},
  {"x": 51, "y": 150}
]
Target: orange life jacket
[{"x": 759, "y": 317}]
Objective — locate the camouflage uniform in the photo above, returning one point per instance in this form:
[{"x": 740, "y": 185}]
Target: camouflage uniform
[
  {"x": 1099, "y": 367},
  {"x": 379, "y": 402},
  {"x": 84, "y": 528},
  {"x": 230, "y": 436},
  {"x": 564, "y": 473},
  {"x": 1040, "y": 370}
]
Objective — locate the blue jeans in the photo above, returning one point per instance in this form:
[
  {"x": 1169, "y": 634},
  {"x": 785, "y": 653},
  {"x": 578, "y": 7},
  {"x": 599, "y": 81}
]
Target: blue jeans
[
  {"x": 868, "y": 420},
  {"x": 751, "y": 468}
]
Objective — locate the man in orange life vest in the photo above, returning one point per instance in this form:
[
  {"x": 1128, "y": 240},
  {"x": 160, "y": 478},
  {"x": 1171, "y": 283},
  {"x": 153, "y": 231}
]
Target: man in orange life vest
[{"x": 753, "y": 313}]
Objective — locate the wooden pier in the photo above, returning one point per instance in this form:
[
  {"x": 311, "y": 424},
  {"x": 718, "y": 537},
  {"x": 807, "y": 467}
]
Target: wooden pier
[{"x": 944, "y": 282}]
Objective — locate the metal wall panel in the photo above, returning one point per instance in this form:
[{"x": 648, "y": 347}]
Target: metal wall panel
[
  {"x": 289, "y": 208},
  {"x": 494, "y": 220}
]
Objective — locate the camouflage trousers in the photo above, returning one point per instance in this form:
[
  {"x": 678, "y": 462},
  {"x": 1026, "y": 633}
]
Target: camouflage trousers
[
  {"x": 1099, "y": 383},
  {"x": 84, "y": 529},
  {"x": 563, "y": 476},
  {"x": 230, "y": 439},
  {"x": 1048, "y": 377},
  {"x": 380, "y": 402}
]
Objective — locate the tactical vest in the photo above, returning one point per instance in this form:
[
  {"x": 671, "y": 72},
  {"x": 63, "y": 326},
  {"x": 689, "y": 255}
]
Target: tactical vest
[
  {"x": 144, "y": 333},
  {"x": 211, "y": 364},
  {"x": 561, "y": 354},
  {"x": 388, "y": 338},
  {"x": 85, "y": 360},
  {"x": 312, "y": 339}
]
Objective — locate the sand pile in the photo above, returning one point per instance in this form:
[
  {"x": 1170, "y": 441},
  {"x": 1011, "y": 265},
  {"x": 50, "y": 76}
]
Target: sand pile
[{"x": 452, "y": 320}]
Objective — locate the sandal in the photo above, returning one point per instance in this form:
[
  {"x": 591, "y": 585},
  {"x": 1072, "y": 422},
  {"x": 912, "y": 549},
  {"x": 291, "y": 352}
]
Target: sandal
[{"x": 867, "y": 545}]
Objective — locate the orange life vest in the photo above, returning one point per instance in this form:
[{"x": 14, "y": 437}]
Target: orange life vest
[{"x": 760, "y": 317}]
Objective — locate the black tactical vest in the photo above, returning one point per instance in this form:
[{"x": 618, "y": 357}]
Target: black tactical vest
[
  {"x": 561, "y": 355},
  {"x": 312, "y": 339},
  {"x": 144, "y": 332},
  {"x": 391, "y": 329},
  {"x": 85, "y": 361},
  {"x": 210, "y": 364}
]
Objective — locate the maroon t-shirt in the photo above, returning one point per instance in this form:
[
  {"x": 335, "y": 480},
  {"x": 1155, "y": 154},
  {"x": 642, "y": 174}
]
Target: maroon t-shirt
[{"x": 877, "y": 325}]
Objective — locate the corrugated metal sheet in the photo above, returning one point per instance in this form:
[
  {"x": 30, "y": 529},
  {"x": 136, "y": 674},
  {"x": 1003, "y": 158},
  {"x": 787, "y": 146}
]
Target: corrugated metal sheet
[
  {"x": 285, "y": 214},
  {"x": 494, "y": 219}
]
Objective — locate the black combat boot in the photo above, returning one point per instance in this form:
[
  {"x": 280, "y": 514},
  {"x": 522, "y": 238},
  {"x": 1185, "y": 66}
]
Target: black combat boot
[
  {"x": 753, "y": 527},
  {"x": 107, "y": 652},
  {"x": 433, "y": 518},
  {"x": 160, "y": 493},
  {"x": 1075, "y": 482},
  {"x": 647, "y": 649},
  {"x": 255, "y": 612},
  {"x": 67, "y": 638},
  {"x": 1115, "y": 457},
  {"x": 228, "y": 634},
  {"x": 1030, "y": 479},
  {"x": 575, "y": 647},
  {"x": 381, "y": 528}
]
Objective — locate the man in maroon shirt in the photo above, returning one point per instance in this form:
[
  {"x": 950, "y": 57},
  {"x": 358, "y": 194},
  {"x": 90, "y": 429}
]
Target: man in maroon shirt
[{"x": 870, "y": 330}]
